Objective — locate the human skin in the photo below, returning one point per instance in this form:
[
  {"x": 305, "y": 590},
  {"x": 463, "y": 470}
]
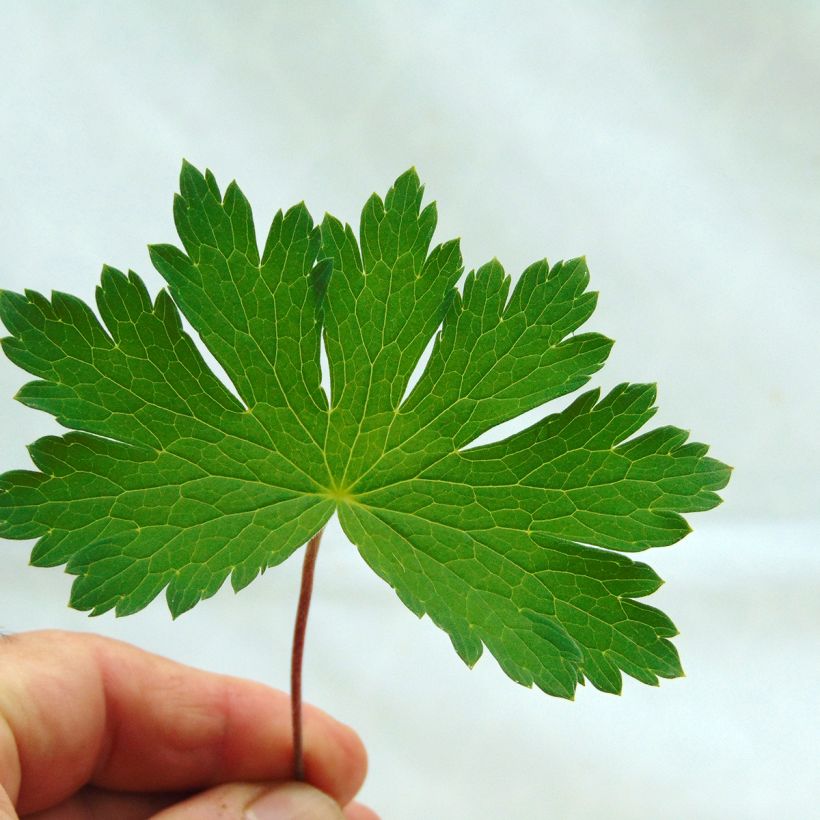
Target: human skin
[{"x": 94, "y": 728}]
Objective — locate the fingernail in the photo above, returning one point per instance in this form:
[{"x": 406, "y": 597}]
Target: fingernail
[{"x": 294, "y": 801}]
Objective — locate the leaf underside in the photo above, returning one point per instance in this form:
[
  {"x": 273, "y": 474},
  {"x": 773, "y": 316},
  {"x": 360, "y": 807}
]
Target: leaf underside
[{"x": 171, "y": 480}]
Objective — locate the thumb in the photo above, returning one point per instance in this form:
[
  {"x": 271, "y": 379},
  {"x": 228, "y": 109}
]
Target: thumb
[
  {"x": 293, "y": 801},
  {"x": 7, "y": 811},
  {"x": 255, "y": 801}
]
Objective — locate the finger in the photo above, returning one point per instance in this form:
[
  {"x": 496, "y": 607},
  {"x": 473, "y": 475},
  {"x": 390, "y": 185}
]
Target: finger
[
  {"x": 254, "y": 801},
  {"x": 76, "y": 709}
]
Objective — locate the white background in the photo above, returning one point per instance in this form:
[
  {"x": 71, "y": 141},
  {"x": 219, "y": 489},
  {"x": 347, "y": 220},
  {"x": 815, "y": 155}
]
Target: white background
[{"x": 677, "y": 145}]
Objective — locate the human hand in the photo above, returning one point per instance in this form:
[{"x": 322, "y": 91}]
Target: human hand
[{"x": 96, "y": 729}]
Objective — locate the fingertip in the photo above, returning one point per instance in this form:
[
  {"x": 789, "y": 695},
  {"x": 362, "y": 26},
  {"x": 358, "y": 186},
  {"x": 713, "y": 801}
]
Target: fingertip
[
  {"x": 357, "y": 811},
  {"x": 335, "y": 756}
]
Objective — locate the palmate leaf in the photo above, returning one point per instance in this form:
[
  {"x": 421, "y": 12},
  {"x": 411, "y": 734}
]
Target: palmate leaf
[{"x": 171, "y": 480}]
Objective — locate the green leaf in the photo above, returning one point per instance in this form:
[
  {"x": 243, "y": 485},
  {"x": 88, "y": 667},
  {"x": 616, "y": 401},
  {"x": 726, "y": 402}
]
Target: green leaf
[{"x": 172, "y": 480}]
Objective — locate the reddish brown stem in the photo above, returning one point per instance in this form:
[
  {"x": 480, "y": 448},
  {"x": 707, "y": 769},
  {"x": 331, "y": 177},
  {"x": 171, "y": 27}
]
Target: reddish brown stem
[{"x": 299, "y": 628}]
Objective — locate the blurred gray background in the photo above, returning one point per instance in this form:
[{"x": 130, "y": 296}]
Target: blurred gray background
[{"x": 677, "y": 145}]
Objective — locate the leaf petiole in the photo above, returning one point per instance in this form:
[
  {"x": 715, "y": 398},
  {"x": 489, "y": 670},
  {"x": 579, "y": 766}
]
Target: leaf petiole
[{"x": 299, "y": 628}]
